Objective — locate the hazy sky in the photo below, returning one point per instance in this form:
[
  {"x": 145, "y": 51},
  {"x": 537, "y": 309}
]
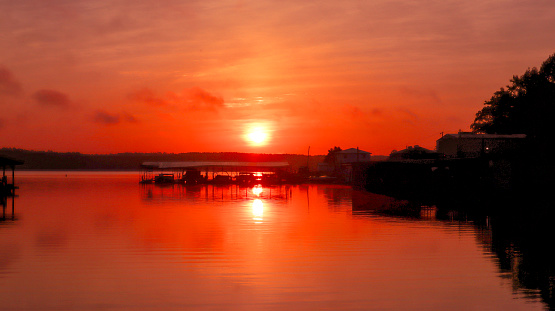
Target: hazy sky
[{"x": 179, "y": 76}]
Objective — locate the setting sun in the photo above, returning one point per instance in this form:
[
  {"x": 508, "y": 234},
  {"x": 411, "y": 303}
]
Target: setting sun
[{"x": 257, "y": 136}]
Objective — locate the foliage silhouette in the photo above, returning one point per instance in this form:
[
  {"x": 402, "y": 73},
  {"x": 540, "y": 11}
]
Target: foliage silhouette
[
  {"x": 525, "y": 106},
  {"x": 330, "y": 157}
]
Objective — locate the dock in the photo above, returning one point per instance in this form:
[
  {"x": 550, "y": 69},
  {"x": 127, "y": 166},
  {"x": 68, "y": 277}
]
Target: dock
[
  {"x": 7, "y": 185},
  {"x": 201, "y": 172}
]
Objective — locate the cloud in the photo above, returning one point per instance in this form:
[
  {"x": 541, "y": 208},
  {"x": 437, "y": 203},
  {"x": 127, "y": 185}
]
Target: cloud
[
  {"x": 147, "y": 96},
  {"x": 354, "y": 112},
  {"x": 194, "y": 98},
  {"x": 129, "y": 117},
  {"x": 408, "y": 116},
  {"x": 424, "y": 95},
  {"x": 8, "y": 84},
  {"x": 106, "y": 118},
  {"x": 51, "y": 98},
  {"x": 197, "y": 98}
]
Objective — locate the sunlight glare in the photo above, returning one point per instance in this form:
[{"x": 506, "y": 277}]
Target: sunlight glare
[
  {"x": 257, "y": 190},
  {"x": 257, "y": 209},
  {"x": 257, "y": 136}
]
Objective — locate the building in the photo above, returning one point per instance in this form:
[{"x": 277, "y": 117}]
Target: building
[
  {"x": 472, "y": 145},
  {"x": 7, "y": 186},
  {"x": 413, "y": 153},
  {"x": 351, "y": 155},
  {"x": 345, "y": 159}
]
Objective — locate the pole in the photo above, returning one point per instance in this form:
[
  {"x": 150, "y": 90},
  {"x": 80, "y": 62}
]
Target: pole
[{"x": 307, "y": 160}]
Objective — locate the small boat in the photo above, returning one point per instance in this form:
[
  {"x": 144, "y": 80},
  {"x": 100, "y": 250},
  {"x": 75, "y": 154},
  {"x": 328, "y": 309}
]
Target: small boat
[
  {"x": 146, "y": 180},
  {"x": 164, "y": 178}
]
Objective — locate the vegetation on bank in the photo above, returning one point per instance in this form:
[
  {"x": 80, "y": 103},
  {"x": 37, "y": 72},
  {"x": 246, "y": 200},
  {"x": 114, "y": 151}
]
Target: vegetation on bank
[
  {"x": 525, "y": 106},
  {"x": 49, "y": 160}
]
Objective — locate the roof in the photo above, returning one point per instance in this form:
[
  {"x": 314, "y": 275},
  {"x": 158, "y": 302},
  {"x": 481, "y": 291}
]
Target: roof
[
  {"x": 353, "y": 150},
  {"x": 9, "y": 161},
  {"x": 482, "y": 136},
  {"x": 415, "y": 149},
  {"x": 201, "y": 164}
]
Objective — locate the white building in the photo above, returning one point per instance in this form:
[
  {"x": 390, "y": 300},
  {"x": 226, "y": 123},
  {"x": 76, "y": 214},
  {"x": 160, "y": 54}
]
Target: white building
[{"x": 345, "y": 159}]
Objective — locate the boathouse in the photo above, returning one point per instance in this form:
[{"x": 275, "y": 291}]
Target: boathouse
[
  {"x": 219, "y": 171},
  {"x": 7, "y": 185}
]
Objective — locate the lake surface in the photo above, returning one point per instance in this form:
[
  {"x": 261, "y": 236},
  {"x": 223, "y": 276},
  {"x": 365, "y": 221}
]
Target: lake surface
[{"x": 101, "y": 241}]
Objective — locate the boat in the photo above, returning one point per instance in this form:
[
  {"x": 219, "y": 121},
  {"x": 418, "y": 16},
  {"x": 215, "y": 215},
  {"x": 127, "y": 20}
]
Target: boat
[{"x": 164, "y": 178}]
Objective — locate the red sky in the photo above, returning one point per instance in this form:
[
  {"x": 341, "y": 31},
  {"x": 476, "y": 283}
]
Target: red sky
[{"x": 180, "y": 76}]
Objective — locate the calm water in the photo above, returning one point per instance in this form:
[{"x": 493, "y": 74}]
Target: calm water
[{"x": 102, "y": 241}]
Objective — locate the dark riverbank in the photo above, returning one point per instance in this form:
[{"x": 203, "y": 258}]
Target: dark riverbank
[
  {"x": 456, "y": 180},
  {"x": 49, "y": 160},
  {"x": 517, "y": 228}
]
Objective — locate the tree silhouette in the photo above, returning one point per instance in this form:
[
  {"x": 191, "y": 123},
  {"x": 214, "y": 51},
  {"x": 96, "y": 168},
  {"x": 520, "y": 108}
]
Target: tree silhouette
[
  {"x": 330, "y": 157},
  {"x": 525, "y": 106}
]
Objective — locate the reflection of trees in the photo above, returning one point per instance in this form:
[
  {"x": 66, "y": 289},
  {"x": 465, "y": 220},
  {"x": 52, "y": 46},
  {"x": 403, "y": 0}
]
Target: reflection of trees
[
  {"x": 524, "y": 244},
  {"x": 337, "y": 196},
  {"x": 519, "y": 233}
]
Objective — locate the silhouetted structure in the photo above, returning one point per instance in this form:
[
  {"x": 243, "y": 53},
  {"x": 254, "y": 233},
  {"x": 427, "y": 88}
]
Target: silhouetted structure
[
  {"x": 221, "y": 172},
  {"x": 7, "y": 187},
  {"x": 472, "y": 145},
  {"x": 525, "y": 106},
  {"x": 413, "y": 153},
  {"x": 339, "y": 163}
]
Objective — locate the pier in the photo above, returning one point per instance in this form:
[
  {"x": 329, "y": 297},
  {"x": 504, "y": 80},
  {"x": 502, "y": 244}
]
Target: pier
[
  {"x": 7, "y": 186},
  {"x": 200, "y": 172}
]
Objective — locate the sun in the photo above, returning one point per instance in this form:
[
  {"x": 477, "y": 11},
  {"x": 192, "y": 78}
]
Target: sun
[{"x": 257, "y": 136}]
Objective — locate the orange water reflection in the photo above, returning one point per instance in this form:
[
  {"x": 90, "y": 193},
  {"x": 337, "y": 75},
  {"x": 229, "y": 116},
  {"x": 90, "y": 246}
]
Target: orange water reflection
[
  {"x": 82, "y": 242},
  {"x": 257, "y": 209}
]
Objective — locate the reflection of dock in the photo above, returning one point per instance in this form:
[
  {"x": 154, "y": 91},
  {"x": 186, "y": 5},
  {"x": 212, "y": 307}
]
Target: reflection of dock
[
  {"x": 211, "y": 193},
  {"x": 5, "y": 205}
]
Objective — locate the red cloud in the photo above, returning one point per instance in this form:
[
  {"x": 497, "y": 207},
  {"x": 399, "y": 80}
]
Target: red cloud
[
  {"x": 8, "y": 84},
  {"x": 198, "y": 98},
  {"x": 147, "y": 96},
  {"x": 106, "y": 118},
  {"x": 191, "y": 99},
  {"x": 51, "y": 98}
]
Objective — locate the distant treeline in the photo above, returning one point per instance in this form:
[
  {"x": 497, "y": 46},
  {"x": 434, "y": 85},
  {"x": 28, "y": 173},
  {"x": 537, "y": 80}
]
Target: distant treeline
[{"x": 49, "y": 160}]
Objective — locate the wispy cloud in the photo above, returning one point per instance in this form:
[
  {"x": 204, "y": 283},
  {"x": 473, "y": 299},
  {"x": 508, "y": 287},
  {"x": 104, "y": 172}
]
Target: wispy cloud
[
  {"x": 107, "y": 118},
  {"x": 190, "y": 99},
  {"x": 197, "y": 98},
  {"x": 8, "y": 84},
  {"x": 51, "y": 98},
  {"x": 424, "y": 95},
  {"x": 129, "y": 117},
  {"x": 147, "y": 96}
]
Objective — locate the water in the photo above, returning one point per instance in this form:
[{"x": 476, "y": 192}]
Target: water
[{"x": 101, "y": 241}]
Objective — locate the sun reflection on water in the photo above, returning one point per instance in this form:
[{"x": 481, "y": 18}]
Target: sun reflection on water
[
  {"x": 257, "y": 209},
  {"x": 257, "y": 190}
]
